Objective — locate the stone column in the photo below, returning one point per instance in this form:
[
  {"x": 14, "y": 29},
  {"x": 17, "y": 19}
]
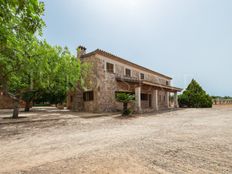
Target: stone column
[
  {"x": 176, "y": 104},
  {"x": 138, "y": 99},
  {"x": 167, "y": 98},
  {"x": 155, "y": 104}
]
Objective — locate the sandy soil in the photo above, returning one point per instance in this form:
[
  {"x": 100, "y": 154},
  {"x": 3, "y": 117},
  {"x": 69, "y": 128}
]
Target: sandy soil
[{"x": 184, "y": 141}]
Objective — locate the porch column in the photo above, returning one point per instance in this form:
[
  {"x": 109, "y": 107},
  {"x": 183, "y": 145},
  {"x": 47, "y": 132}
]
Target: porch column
[
  {"x": 155, "y": 104},
  {"x": 176, "y": 104},
  {"x": 167, "y": 98},
  {"x": 138, "y": 99}
]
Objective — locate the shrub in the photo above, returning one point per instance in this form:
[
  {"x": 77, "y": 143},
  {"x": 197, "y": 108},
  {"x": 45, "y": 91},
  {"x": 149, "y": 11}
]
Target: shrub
[
  {"x": 195, "y": 97},
  {"x": 125, "y": 98},
  {"x": 127, "y": 112}
]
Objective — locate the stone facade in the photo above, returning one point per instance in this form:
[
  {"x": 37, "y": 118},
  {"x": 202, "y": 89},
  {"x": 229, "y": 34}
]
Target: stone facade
[{"x": 152, "y": 90}]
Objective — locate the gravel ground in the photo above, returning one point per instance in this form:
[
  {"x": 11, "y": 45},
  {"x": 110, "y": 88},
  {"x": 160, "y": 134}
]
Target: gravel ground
[{"x": 183, "y": 141}]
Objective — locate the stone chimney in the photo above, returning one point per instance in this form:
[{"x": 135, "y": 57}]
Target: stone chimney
[{"x": 81, "y": 51}]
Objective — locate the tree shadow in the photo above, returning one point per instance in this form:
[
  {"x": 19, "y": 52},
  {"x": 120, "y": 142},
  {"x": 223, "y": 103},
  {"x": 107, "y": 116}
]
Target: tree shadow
[
  {"x": 128, "y": 117},
  {"x": 11, "y": 118}
]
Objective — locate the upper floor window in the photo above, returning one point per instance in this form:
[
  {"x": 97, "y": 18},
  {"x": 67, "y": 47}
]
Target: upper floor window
[
  {"x": 141, "y": 76},
  {"x": 128, "y": 72},
  {"x": 167, "y": 82},
  {"x": 88, "y": 96},
  {"x": 110, "y": 67}
]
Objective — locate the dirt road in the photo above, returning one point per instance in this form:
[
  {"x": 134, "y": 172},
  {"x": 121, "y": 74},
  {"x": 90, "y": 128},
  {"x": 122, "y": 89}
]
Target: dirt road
[{"x": 184, "y": 141}]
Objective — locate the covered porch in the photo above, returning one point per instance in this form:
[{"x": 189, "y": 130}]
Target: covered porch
[{"x": 151, "y": 96}]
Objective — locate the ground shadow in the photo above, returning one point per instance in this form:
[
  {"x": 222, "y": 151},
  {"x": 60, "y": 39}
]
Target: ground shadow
[
  {"x": 11, "y": 118},
  {"x": 121, "y": 117}
]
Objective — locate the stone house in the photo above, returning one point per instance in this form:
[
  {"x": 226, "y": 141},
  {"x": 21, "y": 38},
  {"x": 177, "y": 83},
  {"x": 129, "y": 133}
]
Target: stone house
[{"x": 111, "y": 74}]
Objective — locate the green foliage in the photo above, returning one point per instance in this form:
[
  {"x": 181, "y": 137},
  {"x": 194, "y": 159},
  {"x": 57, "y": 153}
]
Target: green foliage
[
  {"x": 127, "y": 112},
  {"x": 28, "y": 64},
  {"x": 54, "y": 73},
  {"x": 221, "y": 98},
  {"x": 19, "y": 21},
  {"x": 28, "y": 96},
  {"x": 125, "y": 98},
  {"x": 195, "y": 97},
  {"x": 51, "y": 97}
]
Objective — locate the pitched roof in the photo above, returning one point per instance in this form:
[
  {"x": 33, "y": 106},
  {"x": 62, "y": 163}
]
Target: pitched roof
[{"x": 117, "y": 58}]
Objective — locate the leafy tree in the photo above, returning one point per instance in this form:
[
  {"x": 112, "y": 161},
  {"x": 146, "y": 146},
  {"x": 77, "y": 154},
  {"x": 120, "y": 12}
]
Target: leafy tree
[
  {"x": 64, "y": 72},
  {"x": 52, "y": 73},
  {"x": 19, "y": 21},
  {"x": 125, "y": 98},
  {"x": 195, "y": 97},
  {"x": 29, "y": 66}
]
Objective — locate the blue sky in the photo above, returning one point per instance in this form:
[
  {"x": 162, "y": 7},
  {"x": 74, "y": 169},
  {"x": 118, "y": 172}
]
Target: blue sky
[{"x": 184, "y": 39}]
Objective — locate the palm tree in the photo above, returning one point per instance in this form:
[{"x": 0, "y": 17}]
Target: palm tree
[{"x": 125, "y": 98}]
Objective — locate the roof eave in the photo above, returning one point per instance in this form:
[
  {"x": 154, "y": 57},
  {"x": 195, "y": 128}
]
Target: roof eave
[{"x": 104, "y": 53}]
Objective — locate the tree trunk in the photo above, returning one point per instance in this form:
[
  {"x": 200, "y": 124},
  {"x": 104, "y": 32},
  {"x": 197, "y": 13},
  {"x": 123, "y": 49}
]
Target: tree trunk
[
  {"x": 74, "y": 101},
  {"x": 27, "y": 106},
  {"x": 124, "y": 108},
  {"x": 16, "y": 109},
  {"x": 15, "y": 101}
]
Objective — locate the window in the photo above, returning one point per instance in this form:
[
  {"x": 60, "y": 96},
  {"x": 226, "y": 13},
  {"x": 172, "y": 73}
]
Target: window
[
  {"x": 88, "y": 96},
  {"x": 144, "y": 96},
  {"x": 128, "y": 72},
  {"x": 141, "y": 76},
  {"x": 167, "y": 82},
  {"x": 110, "y": 67}
]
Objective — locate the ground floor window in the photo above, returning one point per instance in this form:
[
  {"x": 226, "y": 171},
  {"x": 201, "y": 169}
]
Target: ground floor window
[
  {"x": 88, "y": 96},
  {"x": 144, "y": 97}
]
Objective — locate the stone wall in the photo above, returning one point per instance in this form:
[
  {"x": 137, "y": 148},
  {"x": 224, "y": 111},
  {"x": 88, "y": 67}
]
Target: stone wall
[
  {"x": 104, "y": 86},
  {"x": 7, "y": 103},
  {"x": 135, "y": 73},
  {"x": 162, "y": 99}
]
